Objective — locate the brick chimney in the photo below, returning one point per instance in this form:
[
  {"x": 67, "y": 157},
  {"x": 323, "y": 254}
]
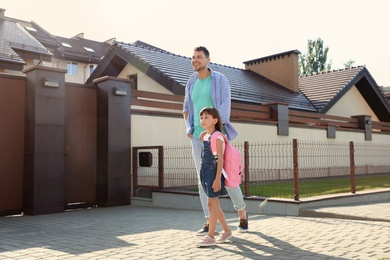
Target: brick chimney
[
  {"x": 2, "y": 13},
  {"x": 281, "y": 68}
]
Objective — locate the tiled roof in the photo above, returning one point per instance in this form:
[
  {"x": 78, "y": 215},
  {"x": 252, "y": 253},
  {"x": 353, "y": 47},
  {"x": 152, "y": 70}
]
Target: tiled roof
[
  {"x": 78, "y": 51},
  {"x": 326, "y": 89},
  {"x": 321, "y": 88},
  {"x": 37, "y": 32},
  {"x": 246, "y": 86},
  {"x": 14, "y": 38}
]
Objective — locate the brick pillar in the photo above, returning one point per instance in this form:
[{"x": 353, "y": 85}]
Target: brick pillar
[
  {"x": 113, "y": 141},
  {"x": 44, "y": 173}
]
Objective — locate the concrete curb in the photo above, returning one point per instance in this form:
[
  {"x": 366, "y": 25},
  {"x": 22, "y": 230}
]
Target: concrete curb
[
  {"x": 312, "y": 213},
  {"x": 312, "y": 207}
]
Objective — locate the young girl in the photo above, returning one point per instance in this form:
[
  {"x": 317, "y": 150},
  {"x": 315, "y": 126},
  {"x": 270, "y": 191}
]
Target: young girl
[{"x": 211, "y": 177}]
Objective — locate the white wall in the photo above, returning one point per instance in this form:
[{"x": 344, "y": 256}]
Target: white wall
[{"x": 156, "y": 130}]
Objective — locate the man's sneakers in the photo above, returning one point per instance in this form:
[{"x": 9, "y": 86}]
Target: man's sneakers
[
  {"x": 203, "y": 231},
  {"x": 206, "y": 241},
  {"x": 243, "y": 226}
]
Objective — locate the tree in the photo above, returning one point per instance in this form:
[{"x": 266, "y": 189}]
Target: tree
[
  {"x": 314, "y": 60},
  {"x": 349, "y": 63}
]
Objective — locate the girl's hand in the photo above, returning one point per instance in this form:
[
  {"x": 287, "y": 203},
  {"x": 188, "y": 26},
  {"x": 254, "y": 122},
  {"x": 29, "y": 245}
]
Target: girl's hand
[{"x": 216, "y": 185}]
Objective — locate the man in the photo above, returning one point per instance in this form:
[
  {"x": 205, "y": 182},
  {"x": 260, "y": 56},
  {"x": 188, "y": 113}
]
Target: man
[{"x": 209, "y": 88}]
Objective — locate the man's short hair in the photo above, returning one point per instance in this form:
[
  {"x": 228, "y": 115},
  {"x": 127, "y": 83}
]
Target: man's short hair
[{"x": 204, "y": 49}]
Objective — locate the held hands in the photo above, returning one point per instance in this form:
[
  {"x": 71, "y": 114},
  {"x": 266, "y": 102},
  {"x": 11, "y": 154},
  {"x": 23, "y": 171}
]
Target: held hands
[{"x": 201, "y": 135}]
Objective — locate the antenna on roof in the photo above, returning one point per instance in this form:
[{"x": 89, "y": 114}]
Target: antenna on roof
[
  {"x": 80, "y": 35},
  {"x": 2, "y": 13}
]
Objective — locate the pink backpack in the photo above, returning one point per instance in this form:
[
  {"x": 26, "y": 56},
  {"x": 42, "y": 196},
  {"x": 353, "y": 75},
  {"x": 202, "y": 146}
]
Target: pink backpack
[{"x": 232, "y": 163}]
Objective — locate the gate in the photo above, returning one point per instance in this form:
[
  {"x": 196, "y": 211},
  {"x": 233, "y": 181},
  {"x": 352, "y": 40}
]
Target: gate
[
  {"x": 80, "y": 146},
  {"x": 12, "y": 114}
]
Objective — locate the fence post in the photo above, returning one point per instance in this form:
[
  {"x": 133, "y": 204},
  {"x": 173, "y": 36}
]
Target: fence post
[
  {"x": 246, "y": 169},
  {"x": 135, "y": 171},
  {"x": 161, "y": 167},
  {"x": 295, "y": 170},
  {"x": 352, "y": 166}
]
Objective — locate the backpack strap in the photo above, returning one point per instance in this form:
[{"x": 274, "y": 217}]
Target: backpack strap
[{"x": 213, "y": 141}]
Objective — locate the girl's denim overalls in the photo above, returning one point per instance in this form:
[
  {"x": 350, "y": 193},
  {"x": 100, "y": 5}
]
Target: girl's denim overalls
[{"x": 208, "y": 172}]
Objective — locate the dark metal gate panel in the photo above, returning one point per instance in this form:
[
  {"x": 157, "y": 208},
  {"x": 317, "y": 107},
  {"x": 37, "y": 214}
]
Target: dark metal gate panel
[
  {"x": 12, "y": 114},
  {"x": 80, "y": 146}
]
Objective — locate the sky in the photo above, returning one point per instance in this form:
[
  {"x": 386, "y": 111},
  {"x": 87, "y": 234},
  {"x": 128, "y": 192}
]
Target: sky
[{"x": 233, "y": 31}]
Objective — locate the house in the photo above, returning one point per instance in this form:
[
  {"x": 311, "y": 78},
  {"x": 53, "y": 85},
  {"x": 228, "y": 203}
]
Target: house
[
  {"x": 272, "y": 79},
  {"x": 322, "y": 93},
  {"x": 346, "y": 92},
  {"x": 79, "y": 56}
]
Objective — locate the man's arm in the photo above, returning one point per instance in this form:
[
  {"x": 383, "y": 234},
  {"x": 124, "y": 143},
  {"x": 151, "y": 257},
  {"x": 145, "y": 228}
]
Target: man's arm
[
  {"x": 185, "y": 116},
  {"x": 225, "y": 96}
]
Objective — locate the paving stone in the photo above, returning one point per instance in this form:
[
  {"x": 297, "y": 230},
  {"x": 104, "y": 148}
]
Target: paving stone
[{"x": 134, "y": 232}]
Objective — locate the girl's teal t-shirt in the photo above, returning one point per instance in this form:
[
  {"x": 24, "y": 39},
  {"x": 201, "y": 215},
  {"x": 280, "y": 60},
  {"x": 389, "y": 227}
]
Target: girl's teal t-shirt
[{"x": 201, "y": 98}]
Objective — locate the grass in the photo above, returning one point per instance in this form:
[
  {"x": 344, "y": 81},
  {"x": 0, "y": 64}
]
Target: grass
[{"x": 318, "y": 187}]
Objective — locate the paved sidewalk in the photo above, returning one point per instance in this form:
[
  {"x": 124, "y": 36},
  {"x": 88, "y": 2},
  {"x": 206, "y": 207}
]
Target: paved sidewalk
[{"x": 132, "y": 232}]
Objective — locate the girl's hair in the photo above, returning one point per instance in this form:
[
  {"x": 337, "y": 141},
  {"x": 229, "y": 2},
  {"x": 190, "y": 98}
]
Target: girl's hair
[{"x": 215, "y": 114}]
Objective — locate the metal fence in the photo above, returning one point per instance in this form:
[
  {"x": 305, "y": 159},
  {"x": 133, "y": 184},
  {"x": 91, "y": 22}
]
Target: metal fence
[{"x": 291, "y": 169}]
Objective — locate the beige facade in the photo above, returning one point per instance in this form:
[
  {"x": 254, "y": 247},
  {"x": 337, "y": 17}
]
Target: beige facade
[
  {"x": 352, "y": 103},
  {"x": 144, "y": 82},
  {"x": 83, "y": 70}
]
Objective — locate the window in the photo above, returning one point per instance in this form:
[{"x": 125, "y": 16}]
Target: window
[
  {"x": 134, "y": 83},
  {"x": 30, "y": 29},
  {"x": 72, "y": 68},
  {"x": 89, "y": 49},
  {"x": 91, "y": 69},
  {"x": 66, "y": 44}
]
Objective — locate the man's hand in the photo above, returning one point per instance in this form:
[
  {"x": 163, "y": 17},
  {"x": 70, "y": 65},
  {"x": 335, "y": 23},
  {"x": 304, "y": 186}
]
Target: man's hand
[{"x": 202, "y": 135}]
